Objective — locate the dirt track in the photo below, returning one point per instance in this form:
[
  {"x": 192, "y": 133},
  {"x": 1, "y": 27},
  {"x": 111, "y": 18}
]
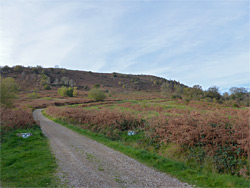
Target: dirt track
[{"x": 87, "y": 163}]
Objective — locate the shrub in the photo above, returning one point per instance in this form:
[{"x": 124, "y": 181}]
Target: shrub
[
  {"x": 33, "y": 95},
  {"x": 223, "y": 138},
  {"x": 47, "y": 87},
  {"x": 8, "y": 88},
  {"x": 96, "y": 94},
  {"x": 18, "y": 68},
  {"x": 96, "y": 86},
  {"x": 106, "y": 121},
  {"x": 37, "y": 69},
  {"x": 75, "y": 93},
  {"x": 43, "y": 80},
  {"x": 15, "y": 119},
  {"x": 6, "y": 69},
  {"x": 65, "y": 91},
  {"x": 70, "y": 91}
]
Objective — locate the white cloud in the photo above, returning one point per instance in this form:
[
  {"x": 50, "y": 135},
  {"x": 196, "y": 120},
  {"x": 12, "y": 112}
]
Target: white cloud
[{"x": 174, "y": 39}]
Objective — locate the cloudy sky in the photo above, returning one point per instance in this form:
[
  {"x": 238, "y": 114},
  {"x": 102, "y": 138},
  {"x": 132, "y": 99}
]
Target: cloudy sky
[{"x": 202, "y": 42}]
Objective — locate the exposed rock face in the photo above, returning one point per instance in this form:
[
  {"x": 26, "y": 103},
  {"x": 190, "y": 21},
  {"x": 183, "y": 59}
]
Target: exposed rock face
[
  {"x": 56, "y": 82},
  {"x": 61, "y": 81},
  {"x": 32, "y": 77},
  {"x": 23, "y": 74},
  {"x": 48, "y": 80},
  {"x": 71, "y": 83},
  {"x": 65, "y": 80}
]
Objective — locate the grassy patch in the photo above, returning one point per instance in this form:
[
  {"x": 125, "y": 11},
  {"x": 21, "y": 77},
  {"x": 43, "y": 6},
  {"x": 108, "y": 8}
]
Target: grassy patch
[
  {"x": 47, "y": 98},
  {"x": 174, "y": 168},
  {"x": 27, "y": 162}
]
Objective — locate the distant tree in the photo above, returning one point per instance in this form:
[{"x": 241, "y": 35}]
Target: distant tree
[
  {"x": 240, "y": 95},
  {"x": 238, "y": 92},
  {"x": 198, "y": 87},
  {"x": 8, "y": 91},
  {"x": 172, "y": 88},
  {"x": 18, "y": 68},
  {"x": 225, "y": 96},
  {"x": 37, "y": 69},
  {"x": 6, "y": 69},
  {"x": 44, "y": 82},
  {"x": 167, "y": 88},
  {"x": 187, "y": 94},
  {"x": 213, "y": 92},
  {"x": 96, "y": 94},
  {"x": 197, "y": 92}
]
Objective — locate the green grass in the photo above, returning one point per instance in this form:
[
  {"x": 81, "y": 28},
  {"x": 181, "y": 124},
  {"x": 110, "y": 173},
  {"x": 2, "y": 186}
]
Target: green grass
[
  {"x": 177, "y": 169},
  {"x": 48, "y": 98},
  {"x": 27, "y": 162}
]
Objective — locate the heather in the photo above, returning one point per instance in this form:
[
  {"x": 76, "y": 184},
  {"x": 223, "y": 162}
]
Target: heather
[
  {"x": 200, "y": 133},
  {"x": 214, "y": 134},
  {"x": 103, "y": 121},
  {"x": 12, "y": 119}
]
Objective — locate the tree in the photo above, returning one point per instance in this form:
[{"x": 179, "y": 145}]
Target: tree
[
  {"x": 167, "y": 88},
  {"x": 44, "y": 82},
  {"x": 238, "y": 92},
  {"x": 9, "y": 88},
  {"x": 197, "y": 92},
  {"x": 96, "y": 94},
  {"x": 225, "y": 96},
  {"x": 213, "y": 92}
]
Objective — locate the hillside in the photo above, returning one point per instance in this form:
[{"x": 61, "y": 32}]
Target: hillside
[{"x": 30, "y": 78}]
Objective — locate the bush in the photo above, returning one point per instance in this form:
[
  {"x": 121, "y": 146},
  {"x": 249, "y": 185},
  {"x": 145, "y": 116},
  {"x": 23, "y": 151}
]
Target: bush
[
  {"x": 65, "y": 91},
  {"x": 6, "y": 69},
  {"x": 47, "y": 87},
  {"x": 96, "y": 86},
  {"x": 96, "y": 94},
  {"x": 75, "y": 93},
  {"x": 15, "y": 119},
  {"x": 8, "y": 88},
  {"x": 33, "y": 95},
  {"x": 18, "y": 68}
]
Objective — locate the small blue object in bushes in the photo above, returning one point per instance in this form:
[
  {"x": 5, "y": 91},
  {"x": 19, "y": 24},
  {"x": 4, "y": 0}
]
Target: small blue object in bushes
[
  {"x": 130, "y": 133},
  {"x": 24, "y": 135}
]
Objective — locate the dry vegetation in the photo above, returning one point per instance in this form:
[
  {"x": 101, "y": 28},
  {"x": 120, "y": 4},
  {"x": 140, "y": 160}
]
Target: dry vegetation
[
  {"x": 12, "y": 119},
  {"x": 103, "y": 121},
  {"x": 199, "y": 129}
]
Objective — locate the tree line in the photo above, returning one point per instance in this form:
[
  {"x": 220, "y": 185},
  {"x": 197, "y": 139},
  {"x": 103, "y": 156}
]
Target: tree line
[{"x": 236, "y": 96}]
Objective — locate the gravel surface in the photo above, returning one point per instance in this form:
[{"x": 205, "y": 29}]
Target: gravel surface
[{"x": 86, "y": 163}]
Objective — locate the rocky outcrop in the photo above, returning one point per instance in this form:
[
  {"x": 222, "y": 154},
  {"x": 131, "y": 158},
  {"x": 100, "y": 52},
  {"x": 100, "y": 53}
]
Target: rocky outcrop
[{"x": 66, "y": 81}]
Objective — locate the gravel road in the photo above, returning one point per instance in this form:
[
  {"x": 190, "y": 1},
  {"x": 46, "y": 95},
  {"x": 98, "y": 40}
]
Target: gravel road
[{"x": 86, "y": 163}]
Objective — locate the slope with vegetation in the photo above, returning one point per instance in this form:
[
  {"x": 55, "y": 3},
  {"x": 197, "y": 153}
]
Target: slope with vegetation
[
  {"x": 42, "y": 79},
  {"x": 204, "y": 132},
  {"x": 211, "y": 142},
  {"x": 49, "y": 78},
  {"x": 25, "y": 162}
]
